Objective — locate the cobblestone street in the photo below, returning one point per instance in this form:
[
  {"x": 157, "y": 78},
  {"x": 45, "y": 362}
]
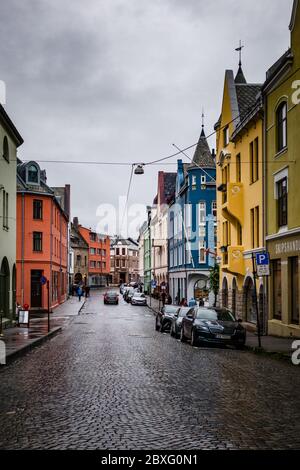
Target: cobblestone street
[{"x": 109, "y": 381}]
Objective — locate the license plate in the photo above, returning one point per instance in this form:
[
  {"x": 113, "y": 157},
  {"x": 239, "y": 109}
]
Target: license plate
[{"x": 223, "y": 336}]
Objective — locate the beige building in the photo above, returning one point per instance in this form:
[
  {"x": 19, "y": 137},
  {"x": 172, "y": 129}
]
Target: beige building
[
  {"x": 124, "y": 261},
  {"x": 10, "y": 140}
]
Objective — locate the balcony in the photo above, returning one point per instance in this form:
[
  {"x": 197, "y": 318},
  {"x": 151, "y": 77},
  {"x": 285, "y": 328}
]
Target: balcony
[
  {"x": 233, "y": 260},
  {"x": 233, "y": 202}
]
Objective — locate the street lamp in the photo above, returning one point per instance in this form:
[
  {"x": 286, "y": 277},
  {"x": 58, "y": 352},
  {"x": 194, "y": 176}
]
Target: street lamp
[{"x": 139, "y": 170}]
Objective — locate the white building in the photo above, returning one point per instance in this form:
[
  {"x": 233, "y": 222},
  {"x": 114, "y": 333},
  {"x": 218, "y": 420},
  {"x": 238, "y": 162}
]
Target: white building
[
  {"x": 159, "y": 229},
  {"x": 10, "y": 140}
]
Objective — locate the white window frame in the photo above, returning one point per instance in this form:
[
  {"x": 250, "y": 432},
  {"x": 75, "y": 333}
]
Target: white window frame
[
  {"x": 202, "y": 246},
  {"x": 201, "y": 208}
]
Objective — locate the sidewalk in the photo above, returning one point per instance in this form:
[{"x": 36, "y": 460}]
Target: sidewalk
[
  {"x": 270, "y": 344},
  {"x": 18, "y": 340}
]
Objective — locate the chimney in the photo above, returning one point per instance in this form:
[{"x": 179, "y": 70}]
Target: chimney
[{"x": 75, "y": 222}]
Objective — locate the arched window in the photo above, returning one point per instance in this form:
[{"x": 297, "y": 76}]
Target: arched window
[
  {"x": 33, "y": 174},
  {"x": 281, "y": 118},
  {"x": 5, "y": 149}
]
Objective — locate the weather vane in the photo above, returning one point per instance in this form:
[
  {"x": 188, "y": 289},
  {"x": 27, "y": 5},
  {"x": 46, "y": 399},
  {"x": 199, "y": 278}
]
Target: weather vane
[
  {"x": 202, "y": 118},
  {"x": 239, "y": 49}
]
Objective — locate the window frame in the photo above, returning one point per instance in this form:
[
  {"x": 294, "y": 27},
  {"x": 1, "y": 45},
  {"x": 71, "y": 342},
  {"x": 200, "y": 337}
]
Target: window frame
[{"x": 281, "y": 127}]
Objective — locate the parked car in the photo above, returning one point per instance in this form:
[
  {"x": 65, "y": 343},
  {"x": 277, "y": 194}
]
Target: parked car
[
  {"x": 128, "y": 294},
  {"x": 177, "y": 320},
  {"x": 164, "y": 318},
  {"x": 138, "y": 299},
  {"x": 212, "y": 325},
  {"x": 111, "y": 297},
  {"x": 122, "y": 288}
]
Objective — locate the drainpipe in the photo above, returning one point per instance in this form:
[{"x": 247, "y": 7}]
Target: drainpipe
[
  {"x": 265, "y": 228},
  {"x": 22, "y": 248}
]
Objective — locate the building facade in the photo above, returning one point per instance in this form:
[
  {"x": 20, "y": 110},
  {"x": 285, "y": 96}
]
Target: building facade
[
  {"x": 141, "y": 243},
  {"x": 282, "y": 176},
  {"x": 80, "y": 249},
  {"x": 159, "y": 230},
  {"x": 42, "y": 238},
  {"x": 240, "y": 196},
  {"x": 192, "y": 226},
  {"x": 99, "y": 257},
  {"x": 10, "y": 140},
  {"x": 147, "y": 253},
  {"x": 124, "y": 261}
]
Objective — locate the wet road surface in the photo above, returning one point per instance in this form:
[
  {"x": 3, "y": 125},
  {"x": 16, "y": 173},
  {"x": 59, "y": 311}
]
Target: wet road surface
[{"x": 109, "y": 381}]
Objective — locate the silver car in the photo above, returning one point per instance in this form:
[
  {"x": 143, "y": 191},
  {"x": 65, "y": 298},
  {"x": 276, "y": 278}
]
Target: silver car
[{"x": 138, "y": 299}]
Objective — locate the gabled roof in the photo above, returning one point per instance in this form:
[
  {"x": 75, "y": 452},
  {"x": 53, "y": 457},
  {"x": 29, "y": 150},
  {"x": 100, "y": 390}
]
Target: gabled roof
[
  {"x": 294, "y": 14},
  {"x": 169, "y": 186},
  {"x": 10, "y": 127},
  {"x": 247, "y": 96}
]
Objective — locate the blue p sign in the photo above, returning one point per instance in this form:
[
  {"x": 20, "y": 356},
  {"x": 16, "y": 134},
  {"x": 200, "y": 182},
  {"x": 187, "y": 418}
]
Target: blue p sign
[{"x": 262, "y": 259}]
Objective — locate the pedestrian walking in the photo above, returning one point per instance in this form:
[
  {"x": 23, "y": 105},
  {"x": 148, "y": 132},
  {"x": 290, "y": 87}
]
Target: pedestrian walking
[
  {"x": 192, "y": 302},
  {"x": 79, "y": 293},
  {"x": 87, "y": 291},
  {"x": 183, "y": 303}
]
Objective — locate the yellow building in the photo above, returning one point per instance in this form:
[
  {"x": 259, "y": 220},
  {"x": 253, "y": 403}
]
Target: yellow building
[
  {"x": 240, "y": 195},
  {"x": 282, "y": 195}
]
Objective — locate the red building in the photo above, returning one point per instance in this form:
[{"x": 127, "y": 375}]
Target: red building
[
  {"x": 99, "y": 257},
  {"x": 42, "y": 238}
]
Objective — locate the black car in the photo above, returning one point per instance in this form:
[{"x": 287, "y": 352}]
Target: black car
[
  {"x": 164, "y": 318},
  {"x": 111, "y": 297},
  {"x": 177, "y": 320},
  {"x": 212, "y": 325}
]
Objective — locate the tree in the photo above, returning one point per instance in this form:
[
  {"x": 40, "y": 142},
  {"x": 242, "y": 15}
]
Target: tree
[{"x": 214, "y": 281}]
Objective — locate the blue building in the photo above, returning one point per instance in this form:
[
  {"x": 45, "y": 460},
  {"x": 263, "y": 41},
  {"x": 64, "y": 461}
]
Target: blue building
[{"x": 193, "y": 225}]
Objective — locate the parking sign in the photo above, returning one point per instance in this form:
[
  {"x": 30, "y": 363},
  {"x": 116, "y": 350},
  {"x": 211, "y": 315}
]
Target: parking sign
[{"x": 263, "y": 264}]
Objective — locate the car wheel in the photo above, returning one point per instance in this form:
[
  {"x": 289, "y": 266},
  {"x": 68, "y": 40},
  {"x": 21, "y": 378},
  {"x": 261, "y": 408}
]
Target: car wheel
[
  {"x": 182, "y": 337},
  {"x": 156, "y": 325},
  {"x": 194, "y": 339},
  {"x": 162, "y": 328}
]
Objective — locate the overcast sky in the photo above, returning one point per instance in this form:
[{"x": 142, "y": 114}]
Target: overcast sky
[{"x": 121, "y": 80}]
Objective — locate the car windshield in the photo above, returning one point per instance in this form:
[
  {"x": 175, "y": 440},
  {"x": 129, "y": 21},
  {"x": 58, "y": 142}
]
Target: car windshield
[
  {"x": 111, "y": 294},
  {"x": 139, "y": 294},
  {"x": 170, "y": 309},
  {"x": 212, "y": 314}
]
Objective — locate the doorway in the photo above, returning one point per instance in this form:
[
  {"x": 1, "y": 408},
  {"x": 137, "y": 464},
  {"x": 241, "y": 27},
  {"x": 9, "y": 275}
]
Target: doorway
[{"x": 36, "y": 288}]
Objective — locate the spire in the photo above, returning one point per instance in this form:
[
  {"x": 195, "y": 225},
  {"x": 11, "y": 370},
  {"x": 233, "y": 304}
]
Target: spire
[
  {"x": 240, "y": 77},
  {"x": 202, "y": 155},
  {"x": 202, "y": 130}
]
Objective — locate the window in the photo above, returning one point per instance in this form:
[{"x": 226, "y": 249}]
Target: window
[
  {"x": 98, "y": 251},
  {"x": 254, "y": 219},
  {"x": 37, "y": 209},
  {"x": 5, "y": 210},
  {"x": 238, "y": 168},
  {"x": 78, "y": 260},
  {"x": 226, "y": 136},
  {"x": 92, "y": 264},
  {"x": 37, "y": 241},
  {"x": 33, "y": 174},
  {"x": 93, "y": 237},
  {"x": 123, "y": 251},
  {"x": 203, "y": 179},
  {"x": 98, "y": 264},
  {"x": 202, "y": 231},
  {"x": 282, "y": 203},
  {"x": 254, "y": 161},
  {"x": 202, "y": 253},
  {"x": 281, "y": 121},
  {"x": 276, "y": 268},
  {"x": 194, "y": 182},
  {"x": 85, "y": 261},
  {"x": 239, "y": 234},
  {"x": 294, "y": 289},
  {"x": 5, "y": 149},
  {"x": 117, "y": 251},
  {"x": 104, "y": 253},
  {"x": 214, "y": 208},
  {"x": 123, "y": 263},
  {"x": 202, "y": 213},
  {"x": 93, "y": 251}
]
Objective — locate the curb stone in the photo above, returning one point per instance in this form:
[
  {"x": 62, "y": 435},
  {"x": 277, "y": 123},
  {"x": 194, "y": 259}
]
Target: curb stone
[{"x": 28, "y": 347}]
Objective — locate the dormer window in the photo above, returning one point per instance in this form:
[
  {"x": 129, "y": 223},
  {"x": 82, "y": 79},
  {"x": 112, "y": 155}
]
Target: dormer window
[{"x": 33, "y": 174}]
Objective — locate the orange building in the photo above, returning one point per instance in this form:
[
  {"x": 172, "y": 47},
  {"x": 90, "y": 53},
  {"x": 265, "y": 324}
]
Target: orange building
[
  {"x": 99, "y": 257},
  {"x": 42, "y": 238}
]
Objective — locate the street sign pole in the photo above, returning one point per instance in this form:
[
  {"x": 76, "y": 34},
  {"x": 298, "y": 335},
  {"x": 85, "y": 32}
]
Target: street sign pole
[
  {"x": 48, "y": 290},
  {"x": 256, "y": 303}
]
